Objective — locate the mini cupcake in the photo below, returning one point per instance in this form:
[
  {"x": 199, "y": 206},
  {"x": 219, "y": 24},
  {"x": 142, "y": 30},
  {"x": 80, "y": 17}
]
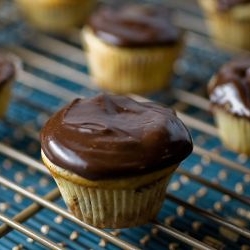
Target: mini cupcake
[
  {"x": 55, "y": 15},
  {"x": 113, "y": 157},
  {"x": 229, "y": 92},
  {"x": 228, "y": 21},
  {"x": 131, "y": 48},
  {"x": 7, "y": 74}
]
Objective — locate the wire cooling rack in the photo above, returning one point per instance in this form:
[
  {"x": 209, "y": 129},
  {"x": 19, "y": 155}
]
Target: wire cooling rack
[{"x": 207, "y": 204}]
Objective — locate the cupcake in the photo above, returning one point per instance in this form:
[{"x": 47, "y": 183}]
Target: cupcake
[
  {"x": 7, "y": 74},
  {"x": 229, "y": 92},
  {"x": 55, "y": 15},
  {"x": 131, "y": 48},
  {"x": 228, "y": 21},
  {"x": 113, "y": 157}
]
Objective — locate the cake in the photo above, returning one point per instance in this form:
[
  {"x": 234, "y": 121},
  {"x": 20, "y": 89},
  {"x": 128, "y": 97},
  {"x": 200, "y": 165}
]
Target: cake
[
  {"x": 229, "y": 92},
  {"x": 7, "y": 74},
  {"x": 112, "y": 158},
  {"x": 131, "y": 48},
  {"x": 228, "y": 22},
  {"x": 55, "y": 15}
]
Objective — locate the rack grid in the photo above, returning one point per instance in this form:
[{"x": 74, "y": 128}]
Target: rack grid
[{"x": 207, "y": 203}]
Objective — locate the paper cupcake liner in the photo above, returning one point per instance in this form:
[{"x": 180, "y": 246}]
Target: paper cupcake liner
[
  {"x": 110, "y": 207},
  {"x": 129, "y": 70},
  {"x": 6, "y": 89},
  {"x": 5, "y": 95},
  {"x": 234, "y": 131},
  {"x": 113, "y": 208},
  {"x": 229, "y": 28},
  {"x": 55, "y": 16}
]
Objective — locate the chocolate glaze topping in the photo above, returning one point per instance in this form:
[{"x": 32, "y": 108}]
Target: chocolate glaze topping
[
  {"x": 231, "y": 87},
  {"x": 134, "y": 25},
  {"x": 7, "y": 71},
  {"x": 224, "y": 5},
  {"x": 113, "y": 136}
]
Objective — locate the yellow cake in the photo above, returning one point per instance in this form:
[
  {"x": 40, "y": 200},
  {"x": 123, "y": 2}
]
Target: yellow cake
[
  {"x": 230, "y": 24},
  {"x": 229, "y": 92},
  {"x": 7, "y": 75},
  {"x": 131, "y": 49},
  {"x": 55, "y": 15},
  {"x": 113, "y": 157}
]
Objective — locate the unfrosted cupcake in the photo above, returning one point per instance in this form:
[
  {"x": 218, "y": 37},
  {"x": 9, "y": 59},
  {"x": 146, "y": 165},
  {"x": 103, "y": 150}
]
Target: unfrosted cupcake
[
  {"x": 228, "y": 21},
  {"x": 229, "y": 92},
  {"x": 7, "y": 75},
  {"x": 131, "y": 48},
  {"x": 113, "y": 157},
  {"x": 55, "y": 15}
]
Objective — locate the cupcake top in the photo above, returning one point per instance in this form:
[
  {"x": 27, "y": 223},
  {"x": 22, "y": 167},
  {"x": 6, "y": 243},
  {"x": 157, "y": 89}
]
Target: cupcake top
[
  {"x": 112, "y": 136},
  {"x": 134, "y": 25},
  {"x": 7, "y": 71},
  {"x": 225, "y": 5},
  {"x": 230, "y": 88}
]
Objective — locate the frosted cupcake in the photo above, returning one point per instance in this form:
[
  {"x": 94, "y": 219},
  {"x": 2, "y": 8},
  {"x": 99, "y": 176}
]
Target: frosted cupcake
[
  {"x": 229, "y": 92},
  {"x": 7, "y": 75},
  {"x": 228, "y": 21},
  {"x": 113, "y": 157},
  {"x": 55, "y": 15},
  {"x": 131, "y": 48}
]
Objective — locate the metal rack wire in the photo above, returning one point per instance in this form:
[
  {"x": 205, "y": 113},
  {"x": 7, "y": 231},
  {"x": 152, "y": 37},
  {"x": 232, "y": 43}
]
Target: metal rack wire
[{"x": 208, "y": 200}]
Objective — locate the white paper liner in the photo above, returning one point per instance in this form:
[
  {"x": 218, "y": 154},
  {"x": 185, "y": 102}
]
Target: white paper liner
[
  {"x": 136, "y": 70},
  {"x": 5, "y": 95},
  {"x": 230, "y": 29},
  {"x": 233, "y": 130},
  {"x": 58, "y": 16},
  {"x": 105, "y": 208}
]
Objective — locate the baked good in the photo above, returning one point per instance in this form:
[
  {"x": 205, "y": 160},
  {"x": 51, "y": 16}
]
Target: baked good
[
  {"x": 112, "y": 158},
  {"x": 131, "y": 48},
  {"x": 228, "y": 22},
  {"x": 7, "y": 75},
  {"x": 229, "y": 92},
  {"x": 55, "y": 15}
]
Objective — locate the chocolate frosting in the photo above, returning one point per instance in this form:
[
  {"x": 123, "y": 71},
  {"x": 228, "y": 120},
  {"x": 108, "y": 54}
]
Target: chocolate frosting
[
  {"x": 134, "y": 25},
  {"x": 224, "y": 5},
  {"x": 7, "y": 71},
  {"x": 112, "y": 136},
  {"x": 231, "y": 87}
]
